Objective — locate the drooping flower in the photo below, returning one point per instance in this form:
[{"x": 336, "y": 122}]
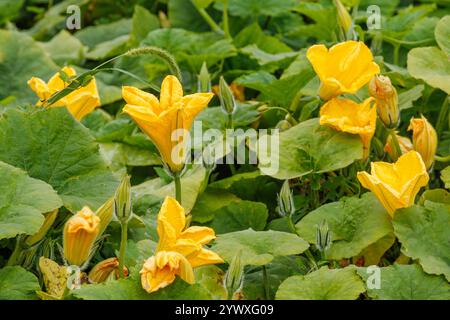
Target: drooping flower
[
  {"x": 79, "y": 235},
  {"x": 174, "y": 241},
  {"x": 161, "y": 120},
  {"x": 404, "y": 143},
  {"x": 425, "y": 139},
  {"x": 344, "y": 68},
  {"x": 396, "y": 184},
  {"x": 348, "y": 116},
  {"x": 161, "y": 269},
  {"x": 106, "y": 269},
  {"x": 79, "y": 102},
  {"x": 385, "y": 94}
]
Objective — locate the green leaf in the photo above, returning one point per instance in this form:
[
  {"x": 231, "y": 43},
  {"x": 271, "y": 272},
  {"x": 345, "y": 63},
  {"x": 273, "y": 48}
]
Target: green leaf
[
  {"x": 16, "y": 49},
  {"x": 254, "y": 35},
  {"x": 324, "y": 284},
  {"x": 52, "y": 146},
  {"x": 258, "y": 247},
  {"x": 211, "y": 277},
  {"x": 442, "y": 34},
  {"x": 142, "y": 23},
  {"x": 9, "y": 9},
  {"x": 240, "y": 215},
  {"x": 407, "y": 282},
  {"x": 209, "y": 202},
  {"x": 423, "y": 233},
  {"x": 64, "y": 49},
  {"x": 255, "y": 8},
  {"x": 93, "y": 36},
  {"x": 183, "y": 14},
  {"x": 308, "y": 148},
  {"x": 436, "y": 195},
  {"x": 354, "y": 223},
  {"x": 22, "y": 202},
  {"x": 431, "y": 65},
  {"x": 191, "y": 183},
  {"x": 17, "y": 284},
  {"x": 445, "y": 176},
  {"x": 108, "y": 49},
  {"x": 406, "y": 98}
]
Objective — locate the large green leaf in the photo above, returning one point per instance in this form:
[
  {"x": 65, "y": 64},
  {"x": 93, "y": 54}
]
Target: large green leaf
[
  {"x": 9, "y": 9},
  {"x": 64, "y": 49},
  {"x": 22, "y": 202},
  {"x": 142, "y": 23},
  {"x": 431, "y": 65},
  {"x": 442, "y": 34},
  {"x": 445, "y": 176},
  {"x": 20, "y": 59},
  {"x": 93, "y": 36},
  {"x": 17, "y": 284},
  {"x": 254, "y": 8},
  {"x": 324, "y": 284},
  {"x": 308, "y": 148},
  {"x": 355, "y": 224},
  {"x": 258, "y": 247},
  {"x": 423, "y": 233},
  {"x": 209, "y": 202},
  {"x": 406, "y": 282},
  {"x": 240, "y": 215},
  {"x": 52, "y": 146}
]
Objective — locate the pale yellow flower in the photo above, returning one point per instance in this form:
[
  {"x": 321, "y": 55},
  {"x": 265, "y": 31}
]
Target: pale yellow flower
[
  {"x": 425, "y": 139},
  {"x": 385, "y": 94},
  {"x": 106, "y": 269},
  {"x": 79, "y": 102},
  {"x": 79, "y": 235},
  {"x": 348, "y": 116},
  {"x": 159, "y": 119},
  {"x": 396, "y": 184},
  {"x": 344, "y": 68}
]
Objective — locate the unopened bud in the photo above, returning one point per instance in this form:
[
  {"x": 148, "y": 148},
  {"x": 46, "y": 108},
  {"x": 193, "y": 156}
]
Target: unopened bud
[
  {"x": 425, "y": 139},
  {"x": 344, "y": 18},
  {"x": 105, "y": 213},
  {"x": 105, "y": 270},
  {"x": 283, "y": 125},
  {"x": 263, "y": 108},
  {"x": 234, "y": 277},
  {"x": 48, "y": 222},
  {"x": 386, "y": 99},
  {"x": 122, "y": 200},
  {"x": 404, "y": 143},
  {"x": 227, "y": 100},
  {"x": 286, "y": 206},
  {"x": 323, "y": 237},
  {"x": 204, "y": 79}
]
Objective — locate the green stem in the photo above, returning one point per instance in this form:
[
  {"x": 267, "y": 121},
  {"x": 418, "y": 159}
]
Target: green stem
[
  {"x": 123, "y": 247},
  {"x": 266, "y": 283},
  {"x": 396, "y": 53},
  {"x": 226, "y": 27},
  {"x": 291, "y": 225},
  {"x": 205, "y": 15},
  {"x": 395, "y": 144},
  {"x": 177, "y": 180},
  {"x": 442, "y": 159},
  {"x": 441, "y": 121},
  {"x": 230, "y": 124},
  {"x": 12, "y": 261}
]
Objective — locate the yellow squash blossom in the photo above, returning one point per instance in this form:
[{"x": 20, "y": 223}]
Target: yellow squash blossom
[
  {"x": 344, "y": 68},
  {"x": 106, "y": 269},
  {"x": 175, "y": 238},
  {"x": 404, "y": 143},
  {"x": 79, "y": 102},
  {"x": 348, "y": 116},
  {"x": 396, "y": 184},
  {"x": 80, "y": 232},
  {"x": 161, "y": 119},
  {"x": 385, "y": 94},
  {"x": 424, "y": 139}
]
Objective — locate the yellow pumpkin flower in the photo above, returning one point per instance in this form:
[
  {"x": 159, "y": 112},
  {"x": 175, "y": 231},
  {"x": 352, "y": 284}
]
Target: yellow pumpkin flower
[
  {"x": 160, "y": 270},
  {"x": 425, "y": 139},
  {"x": 344, "y": 68},
  {"x": 396, "y": 184},
  {"x": 385, "y": 94},
  {"x": 174, "y": 241},
  {"x": 106, "y": 269},
  {"x": 79, "y": 235},
  {"x": 404, "y": 143},
  {"x": 348, "y": 116},
  {"x": 79, "y": 102},
  {"x": 161, "y": 119}
]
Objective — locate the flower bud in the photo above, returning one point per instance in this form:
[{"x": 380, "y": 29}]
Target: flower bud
[
  {"x": 323, "y": 237},
  {"x": 404, "y": 143},
  {"x": 105, "y": 270},
  {"x": 386, "y": 99},
  {"x": 285, "y": 198},
  {"x": 344, "y": 18},
  {"x": 105, "y": 213},
  {"x": 204, "y": 79},
  {"x": 283, "y": 125},
  {"x": 122, "y": 200},
  {"x": 234, "y": 277},
  {"x": 227, "y": 100},
  {"x": 48, "y": 222},
  {"x": 79, "y": 235},
  {"x": 263, "y": 108},
  {"x": 425, "y": 139}
]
